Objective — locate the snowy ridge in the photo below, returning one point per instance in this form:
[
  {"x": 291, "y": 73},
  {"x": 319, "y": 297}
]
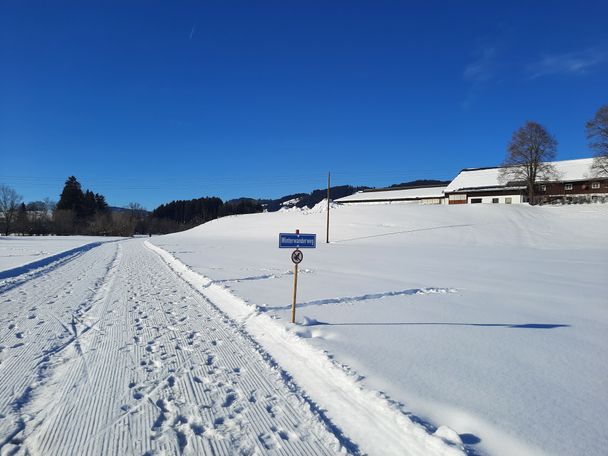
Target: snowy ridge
[{"x": 366, "y": 416}]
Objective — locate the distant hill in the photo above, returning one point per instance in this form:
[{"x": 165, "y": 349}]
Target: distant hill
[
  {"x": 184, "y": 214},
  {"x": 309, "y": 199},
  {"x": 126, "y": 209}
]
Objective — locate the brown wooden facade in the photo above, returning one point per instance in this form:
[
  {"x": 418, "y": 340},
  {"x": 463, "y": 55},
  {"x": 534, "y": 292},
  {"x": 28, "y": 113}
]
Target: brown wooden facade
[{"x": 564, "y": 191}]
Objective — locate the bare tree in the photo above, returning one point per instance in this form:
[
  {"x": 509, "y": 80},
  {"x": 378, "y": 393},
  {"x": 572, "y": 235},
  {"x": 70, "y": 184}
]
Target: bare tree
[
  {"x": 135, "y": 210},
  {"x": 597, "y": 133},
  {"x": 49, "y": 205},
  {"x": 530, "y": 149},
  {"x": 9, "y": 203}
]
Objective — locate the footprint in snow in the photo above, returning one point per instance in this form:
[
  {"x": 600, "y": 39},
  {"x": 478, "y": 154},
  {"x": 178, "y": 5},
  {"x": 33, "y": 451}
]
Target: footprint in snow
[
  {"x": 268, "y": 441},
  {"x": 229, "y": 399}
]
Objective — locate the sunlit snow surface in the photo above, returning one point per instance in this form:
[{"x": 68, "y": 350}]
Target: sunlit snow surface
[
  {"x": 16, "y": 251},
  {"x": 490, "y": 320}
]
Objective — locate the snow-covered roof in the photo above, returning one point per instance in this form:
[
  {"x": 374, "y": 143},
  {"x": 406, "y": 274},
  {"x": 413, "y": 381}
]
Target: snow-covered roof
[
  {"x": 402, "y": 194},
  {"x": 568, "y": 170}
]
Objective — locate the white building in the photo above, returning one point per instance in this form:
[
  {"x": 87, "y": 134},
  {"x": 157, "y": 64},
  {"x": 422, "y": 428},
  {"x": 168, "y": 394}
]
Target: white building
[{"x": 418, "y": 195}]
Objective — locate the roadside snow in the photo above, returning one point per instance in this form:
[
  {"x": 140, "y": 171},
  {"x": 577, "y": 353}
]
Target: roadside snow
[
  {"x": 491, "y": 321},
  {"x": 16, "y": 251}
]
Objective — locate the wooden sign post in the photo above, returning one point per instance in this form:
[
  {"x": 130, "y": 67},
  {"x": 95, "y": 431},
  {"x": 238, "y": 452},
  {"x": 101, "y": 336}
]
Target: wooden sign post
[{"x": 297, "y": 240}]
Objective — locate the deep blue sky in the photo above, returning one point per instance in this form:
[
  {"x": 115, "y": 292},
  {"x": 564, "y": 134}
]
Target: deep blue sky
[{"x": 154, "y": 101}]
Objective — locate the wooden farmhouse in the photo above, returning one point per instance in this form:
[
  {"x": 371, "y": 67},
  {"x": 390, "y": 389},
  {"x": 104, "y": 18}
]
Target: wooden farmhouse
[{"x": 573, "y": 182}]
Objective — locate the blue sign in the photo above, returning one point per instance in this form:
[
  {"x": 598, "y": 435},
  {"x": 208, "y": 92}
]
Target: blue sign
[{"x": 297, "y": 241}]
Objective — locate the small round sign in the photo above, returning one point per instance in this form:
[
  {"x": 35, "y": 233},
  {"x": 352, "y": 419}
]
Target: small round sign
[{"x": 297, "y": 256}]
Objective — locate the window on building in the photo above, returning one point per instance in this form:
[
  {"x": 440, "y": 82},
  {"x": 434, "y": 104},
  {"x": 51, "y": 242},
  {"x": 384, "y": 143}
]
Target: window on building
[
  {"x": 458, "y": 197},
  {"x": 508, "y": 200},
  {"x": 568, "y": 187},
  {"x": 595, "y": 185},
  {"x": 494, "y": 200},
  {"x": 475, "y": 200},
  {"x": 543, "y": 188}
]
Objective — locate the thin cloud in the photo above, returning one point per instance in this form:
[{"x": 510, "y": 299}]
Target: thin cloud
[
  {"x": 192, "y": 31},
  {"x": 483, "y": 67},
  {"x": 479, "y": 73},
  {"x": 575, "y": 63}
]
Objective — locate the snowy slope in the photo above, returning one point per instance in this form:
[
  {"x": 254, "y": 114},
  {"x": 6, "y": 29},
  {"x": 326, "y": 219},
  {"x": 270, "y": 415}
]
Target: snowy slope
[{"x": 490, "y": 320}]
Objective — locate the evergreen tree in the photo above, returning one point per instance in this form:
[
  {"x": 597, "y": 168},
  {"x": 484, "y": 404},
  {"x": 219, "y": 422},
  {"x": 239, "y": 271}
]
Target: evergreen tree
[
  {"x": 71, "y": 197},
  {"x": 101, "y": 207},
  {"x": 88, "y": 205}
]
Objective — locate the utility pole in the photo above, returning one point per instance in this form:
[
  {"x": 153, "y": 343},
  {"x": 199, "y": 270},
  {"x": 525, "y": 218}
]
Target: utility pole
[{"x": 328, "y": 187}]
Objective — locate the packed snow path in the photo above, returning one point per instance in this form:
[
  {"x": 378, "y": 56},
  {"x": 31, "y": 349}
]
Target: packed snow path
[{"x": 112, "y": 353}]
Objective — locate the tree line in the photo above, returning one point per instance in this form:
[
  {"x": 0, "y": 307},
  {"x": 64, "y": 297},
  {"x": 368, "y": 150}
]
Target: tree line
[
  {"x": 84, "y": 212},
  {"x": 528, "y": 158},
  {"x": 76, "y": 212},
  {"x": 87, "y": 213},
  {"x": 184, "y": 214}
]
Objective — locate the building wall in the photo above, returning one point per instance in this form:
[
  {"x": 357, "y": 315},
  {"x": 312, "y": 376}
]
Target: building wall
[
  {"x": 428, "y": 201},
  {"x": 567, "y": 191},
  {"x": 495, "y": 199}
]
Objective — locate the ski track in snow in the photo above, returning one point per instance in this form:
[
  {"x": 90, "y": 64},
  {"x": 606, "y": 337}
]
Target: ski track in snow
[
  {"x": 111, "y": 353},
  {"x": 369, "y": 297}
]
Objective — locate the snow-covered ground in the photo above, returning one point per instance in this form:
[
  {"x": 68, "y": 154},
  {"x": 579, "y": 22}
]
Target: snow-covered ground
[
  {"x": 16, "y": 251},
  {"x": 111, "y": 353},
  {"x": 422, "y": 330},
  {"x": 490, "y": 320},
  {"x": 106, "y": 350}
]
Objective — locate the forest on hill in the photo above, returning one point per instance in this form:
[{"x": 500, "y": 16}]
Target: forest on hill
[{"x": 86, "y": 212}]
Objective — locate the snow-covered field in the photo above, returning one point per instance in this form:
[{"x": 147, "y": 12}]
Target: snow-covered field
[
  {"x": 491, "y": 320},
  {"x": 16, "y": 251},
  {"x": 422, "y": 330}
]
